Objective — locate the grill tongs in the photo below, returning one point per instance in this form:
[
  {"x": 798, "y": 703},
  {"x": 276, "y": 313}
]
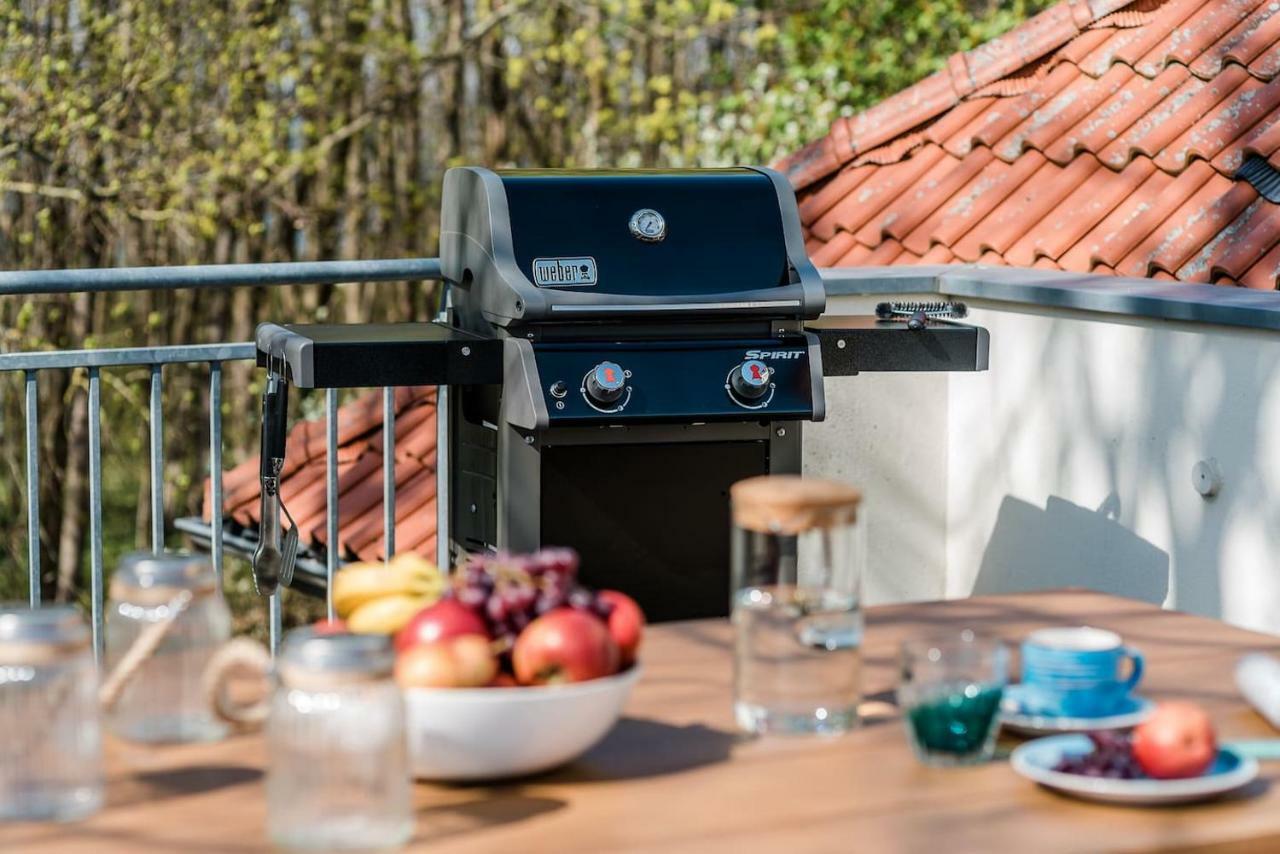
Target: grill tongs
[{"x": 277, "y": 551}]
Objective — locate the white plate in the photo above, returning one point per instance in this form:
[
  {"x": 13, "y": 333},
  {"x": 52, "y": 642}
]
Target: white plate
[
  {"x": 1136, "y": 710},
  {"x": 1035, "y": 760}
]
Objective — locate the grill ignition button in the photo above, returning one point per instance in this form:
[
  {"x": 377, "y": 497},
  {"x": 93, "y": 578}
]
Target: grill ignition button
[
  {"x": 750, "y": 380},
  {"x": 606, "y": 383}
]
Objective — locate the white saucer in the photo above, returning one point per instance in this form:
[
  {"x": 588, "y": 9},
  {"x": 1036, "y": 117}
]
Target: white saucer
[
  {"x": 1134, "y": 711},
  {"x": 1036, "y": 760}
]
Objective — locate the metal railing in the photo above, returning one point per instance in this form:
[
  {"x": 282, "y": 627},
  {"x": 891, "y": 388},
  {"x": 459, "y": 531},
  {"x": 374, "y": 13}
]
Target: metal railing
[{"x": 41, "y": 282}]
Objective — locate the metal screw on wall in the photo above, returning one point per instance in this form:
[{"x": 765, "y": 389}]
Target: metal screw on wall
[{"x": 1206, "y": 477}]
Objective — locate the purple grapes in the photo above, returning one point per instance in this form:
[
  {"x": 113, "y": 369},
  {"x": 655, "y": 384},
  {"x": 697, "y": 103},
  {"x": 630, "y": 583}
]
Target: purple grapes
[
  {"x": 509, "y": 591},
  {"x": 1111, "y": 757}
]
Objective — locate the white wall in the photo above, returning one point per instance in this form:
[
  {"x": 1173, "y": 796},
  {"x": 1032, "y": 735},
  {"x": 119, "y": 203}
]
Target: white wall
[{"x": 1069, "y": 463}]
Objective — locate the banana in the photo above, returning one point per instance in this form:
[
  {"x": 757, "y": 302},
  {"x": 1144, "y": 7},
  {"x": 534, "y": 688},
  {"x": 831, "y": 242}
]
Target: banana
[
  {"x": 386, "y": 615},
  {"x": 359, "y": 583}
]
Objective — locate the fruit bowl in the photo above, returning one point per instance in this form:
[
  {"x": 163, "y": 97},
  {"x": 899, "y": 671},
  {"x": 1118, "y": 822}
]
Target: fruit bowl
[{"x": 458, "y": 734}]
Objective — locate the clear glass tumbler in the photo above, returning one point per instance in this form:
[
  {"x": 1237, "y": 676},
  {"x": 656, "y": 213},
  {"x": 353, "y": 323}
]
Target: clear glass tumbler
[
  {"x": 338, "y": 772},
  {"x": 950, "y": 694},
  {"x": 51, "y": 748},
  {"x": 797, "y": 556},
  {"x": 165, "y": 700}
]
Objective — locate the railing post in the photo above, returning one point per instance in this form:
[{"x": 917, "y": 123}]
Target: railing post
[
  {"x": 157, "y": 461},
  {"x": 331, "y": 494},
  {"x": 389, "y": 472},
  {"x": 33, "y": 489},
  {"x": 96, "y": 575},
  {"x": 215, "y": 468}
]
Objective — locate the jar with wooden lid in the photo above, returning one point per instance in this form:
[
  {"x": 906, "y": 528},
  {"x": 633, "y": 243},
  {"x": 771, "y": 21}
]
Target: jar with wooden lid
[
  {"x": 338, "y": 769},
  {"x": 51, "y": 751},
  {"x": 797, "y": 562},
  {"x": 165, "y": 698}
]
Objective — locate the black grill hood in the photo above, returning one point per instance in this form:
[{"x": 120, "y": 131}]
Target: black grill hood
[{"x": 728, "y": 243}]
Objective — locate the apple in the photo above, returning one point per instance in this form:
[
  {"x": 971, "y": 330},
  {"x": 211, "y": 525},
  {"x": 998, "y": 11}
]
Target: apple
[
  {"x": 443, "y": 620},
  {"x": 504, "y": 680},
  {"x": 564, "y": 645},
  {"x": 626, "y": 624},
  {"x": 326, "y": 626},
  {"x": 1176, "y": 741},
  {"x": 465, "y": 661}
]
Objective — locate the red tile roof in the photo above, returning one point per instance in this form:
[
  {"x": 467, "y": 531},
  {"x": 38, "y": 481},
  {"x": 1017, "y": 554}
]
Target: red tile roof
[
  {"x": 1096, "y": 137},
  {"x": 303, "y": 489}
]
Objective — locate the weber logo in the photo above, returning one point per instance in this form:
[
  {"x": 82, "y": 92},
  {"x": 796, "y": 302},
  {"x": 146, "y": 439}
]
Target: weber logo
[
  {"x": 774, "y": 354},
  {"x": 564, "y": 272}
]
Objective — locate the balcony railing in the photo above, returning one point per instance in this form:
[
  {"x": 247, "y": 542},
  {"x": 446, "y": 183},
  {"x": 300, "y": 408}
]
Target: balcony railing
[{"x": 213, "y": 356}]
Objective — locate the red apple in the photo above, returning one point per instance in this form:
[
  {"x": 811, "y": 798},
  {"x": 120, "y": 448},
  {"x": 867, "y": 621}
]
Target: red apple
[
  {"x": 1176, "y": 741},
  {"x": 626, "y": 623},
  {"x": 461, "y": 662},
  {"x": 564, "y": 645},
  {"x": 330, "y": 627},
  {"x": 446, "y": 619}
]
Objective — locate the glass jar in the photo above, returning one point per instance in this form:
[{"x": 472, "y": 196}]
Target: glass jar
[
  {"x": 51, "y": 751},
  {"x": 797, "y": 556},
  {"x": 165, "y": 699},
  {"x": 338, "y": 770}
]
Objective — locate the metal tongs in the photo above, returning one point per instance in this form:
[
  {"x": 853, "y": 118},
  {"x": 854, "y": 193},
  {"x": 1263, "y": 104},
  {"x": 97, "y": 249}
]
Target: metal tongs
[
  {"x": 277, "y": 551},
  {"x": 920, "y": 314}
]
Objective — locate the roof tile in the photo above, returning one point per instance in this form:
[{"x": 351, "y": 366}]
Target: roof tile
[
  {"x": 1253, "y": 235},
  {"x": 1048, "y": 122},
  {"x": 1162, "y": 122},
  {"x": 1264, "y": 272},
  {"x": 1243, "y": 44},
  {"x": 872, "y": 195},
  {"x": 912, "y": 201},
  {"x": 1197, "y": 221},
  {"x": 1127, "y": 46},
  {"x": 1235, "y": 114},
  {"x": 1135, "y": 102},
  {"x": 841, "y": 185},
  {"x": 920, "y": 237},
  {"x": 1032, "y": 202},
  {"x": 1079, "y": 212},
  {"x": 1195, "y": 35}
]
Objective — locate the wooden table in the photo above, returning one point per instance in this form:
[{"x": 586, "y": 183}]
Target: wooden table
[{"x": 673, "y": 775}]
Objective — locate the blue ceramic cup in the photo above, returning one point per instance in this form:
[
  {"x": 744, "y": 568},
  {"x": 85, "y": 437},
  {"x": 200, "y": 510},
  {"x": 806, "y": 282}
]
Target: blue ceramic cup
[{"x": 1075, "y": 672}]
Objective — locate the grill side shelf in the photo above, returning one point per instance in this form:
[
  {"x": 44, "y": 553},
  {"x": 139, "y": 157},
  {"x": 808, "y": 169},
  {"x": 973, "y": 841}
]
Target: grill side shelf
[
  {"x": 867, "y": 344},
  {"x": 379, "y": 354}
]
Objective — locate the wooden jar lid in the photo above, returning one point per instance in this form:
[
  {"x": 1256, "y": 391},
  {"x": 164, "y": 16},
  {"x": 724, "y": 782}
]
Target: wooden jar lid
[{"x": 790, "y": 504}]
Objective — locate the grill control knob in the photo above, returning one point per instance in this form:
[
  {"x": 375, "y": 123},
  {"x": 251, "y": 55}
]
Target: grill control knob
[
  {"x": 606, "y": 382},
  {"x": 750, "y": 380}
]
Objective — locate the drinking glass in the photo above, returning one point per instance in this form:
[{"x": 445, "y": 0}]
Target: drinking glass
[
  {"x": 51, "y": 747},
  {"x": 165, "y": 700},
  {"x": 796, "y": 608},
  {"x": 338, "y": 767},
  {"x": 950, "y": 694}
]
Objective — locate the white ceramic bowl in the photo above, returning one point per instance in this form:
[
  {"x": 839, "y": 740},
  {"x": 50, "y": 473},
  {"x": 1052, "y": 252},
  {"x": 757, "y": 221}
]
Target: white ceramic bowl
[{"x": 490, "y": 733}]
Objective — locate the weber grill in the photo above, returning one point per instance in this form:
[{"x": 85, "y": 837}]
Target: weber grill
[{"x": 618, "y": 348}]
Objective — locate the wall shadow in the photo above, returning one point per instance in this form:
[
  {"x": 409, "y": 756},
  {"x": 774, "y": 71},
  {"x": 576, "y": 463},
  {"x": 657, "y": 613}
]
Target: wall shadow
[{"x": 1065, "y": 544}]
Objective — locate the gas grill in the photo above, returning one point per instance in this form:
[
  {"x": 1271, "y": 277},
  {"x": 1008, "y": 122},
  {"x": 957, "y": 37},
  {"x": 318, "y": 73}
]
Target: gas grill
[{"x": 618, "y": 348}]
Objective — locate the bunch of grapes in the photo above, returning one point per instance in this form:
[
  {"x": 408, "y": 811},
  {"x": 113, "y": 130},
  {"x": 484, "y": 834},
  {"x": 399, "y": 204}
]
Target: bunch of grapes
[
  {"x": 510, "y": 591},
  {"x": 1112, "y": 757}
]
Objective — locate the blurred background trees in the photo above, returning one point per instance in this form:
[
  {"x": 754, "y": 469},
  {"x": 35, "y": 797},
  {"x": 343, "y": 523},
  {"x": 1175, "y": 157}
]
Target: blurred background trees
[{"x": 136, "y": 132}]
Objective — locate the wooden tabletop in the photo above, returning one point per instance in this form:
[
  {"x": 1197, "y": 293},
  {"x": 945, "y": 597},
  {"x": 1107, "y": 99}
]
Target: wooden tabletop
[{"x": 674, "y": 776}]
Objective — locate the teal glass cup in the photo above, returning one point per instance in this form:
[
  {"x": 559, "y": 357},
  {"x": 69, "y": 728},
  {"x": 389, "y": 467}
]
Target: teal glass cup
[{"x": 949, "y": 693}]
